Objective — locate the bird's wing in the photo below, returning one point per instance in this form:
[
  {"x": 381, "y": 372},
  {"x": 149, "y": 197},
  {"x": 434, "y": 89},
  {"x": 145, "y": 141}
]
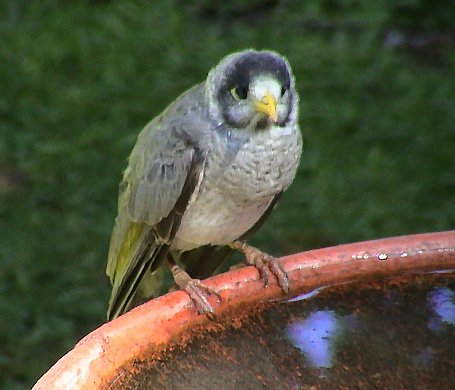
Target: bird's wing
[{"x": 161, "y": 176}]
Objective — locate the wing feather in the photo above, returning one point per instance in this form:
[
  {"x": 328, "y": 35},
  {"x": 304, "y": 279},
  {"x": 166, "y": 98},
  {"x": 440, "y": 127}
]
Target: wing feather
[{"x": 160, "y": 178}]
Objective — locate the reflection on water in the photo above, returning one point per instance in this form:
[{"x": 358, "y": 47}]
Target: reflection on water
[
  {"x": 307, "y": 295},
  {"x": 314, "y": 337},
  {"x": 317, "y": 334},
  {"x": 442, "y": 301}
]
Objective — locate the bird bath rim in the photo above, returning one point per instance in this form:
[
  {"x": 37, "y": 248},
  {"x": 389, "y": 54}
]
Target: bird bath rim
[{"x": 96, "y": 358}]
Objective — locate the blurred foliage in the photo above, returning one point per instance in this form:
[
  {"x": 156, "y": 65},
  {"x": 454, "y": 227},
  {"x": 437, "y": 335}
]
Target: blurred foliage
[{"x": 80, "y": 79}]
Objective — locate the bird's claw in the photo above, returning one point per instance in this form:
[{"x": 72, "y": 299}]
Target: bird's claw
[
  {"x": 198, "y": 291},
  {"x": 199, "y": 294},
  {"x": 268, "y": 264},
  {"x": 280, "y": 274},
  {"x": 265, "y": 264}
]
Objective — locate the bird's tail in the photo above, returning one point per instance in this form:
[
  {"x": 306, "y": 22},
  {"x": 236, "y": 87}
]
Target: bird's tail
[{"x": 137, "y": 254}]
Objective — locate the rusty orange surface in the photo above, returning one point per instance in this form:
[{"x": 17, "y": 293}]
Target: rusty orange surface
[{"x": 97, "y": 357}]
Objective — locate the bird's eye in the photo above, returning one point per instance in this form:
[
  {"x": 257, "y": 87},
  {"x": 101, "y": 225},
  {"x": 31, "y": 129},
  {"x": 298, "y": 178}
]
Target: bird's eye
[
  {"x": 239, "y": 93},
  {"x": 283, "y": 91}
]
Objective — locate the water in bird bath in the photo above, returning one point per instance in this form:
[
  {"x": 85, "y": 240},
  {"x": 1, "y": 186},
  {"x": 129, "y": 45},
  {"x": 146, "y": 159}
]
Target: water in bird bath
[{"x": 395, "y": 334}]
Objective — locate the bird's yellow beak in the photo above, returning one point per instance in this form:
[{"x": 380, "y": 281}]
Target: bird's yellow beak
[{"x": 268, "y": 106}]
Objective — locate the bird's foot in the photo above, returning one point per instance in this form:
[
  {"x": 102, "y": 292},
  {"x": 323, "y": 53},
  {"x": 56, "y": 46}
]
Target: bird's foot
[
  {"x": 264, "y": 263},
  {"x": 198, "y": 291}
]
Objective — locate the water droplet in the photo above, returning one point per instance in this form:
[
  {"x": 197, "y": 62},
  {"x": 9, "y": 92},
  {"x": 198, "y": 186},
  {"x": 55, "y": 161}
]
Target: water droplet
[
  {"x": 404, "y": 254},
  {"x": 361, "y": 256},
  {"x": 383, "y": 256}
]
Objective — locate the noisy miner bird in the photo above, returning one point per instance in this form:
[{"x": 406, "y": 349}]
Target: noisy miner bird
[{"x": 203, "y": 175}]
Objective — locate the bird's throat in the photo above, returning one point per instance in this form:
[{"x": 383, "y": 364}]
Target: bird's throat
[
  {"x": 263, "y": 123},
  {"x": 259, "y": 122}
]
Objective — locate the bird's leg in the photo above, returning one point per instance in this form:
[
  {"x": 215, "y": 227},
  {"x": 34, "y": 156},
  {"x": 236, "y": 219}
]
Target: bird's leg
[
  {"x": 264, "y": 263},
  {"x": 197, "y": 291}
]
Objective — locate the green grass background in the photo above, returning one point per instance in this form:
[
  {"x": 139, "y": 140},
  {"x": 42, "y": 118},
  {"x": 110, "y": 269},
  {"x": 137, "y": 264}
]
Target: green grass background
[{"x": 78, "y": 80}]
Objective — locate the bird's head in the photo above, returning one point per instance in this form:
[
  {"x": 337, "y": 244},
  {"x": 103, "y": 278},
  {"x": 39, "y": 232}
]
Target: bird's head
[{"x": 252, "y": 89}]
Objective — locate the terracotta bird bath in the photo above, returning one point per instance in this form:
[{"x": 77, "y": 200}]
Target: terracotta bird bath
[{"x": 371, "y": 294}]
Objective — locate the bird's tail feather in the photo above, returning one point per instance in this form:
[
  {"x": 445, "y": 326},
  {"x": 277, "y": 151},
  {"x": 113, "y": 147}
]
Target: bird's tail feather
[{"x": 125, "y": 291}]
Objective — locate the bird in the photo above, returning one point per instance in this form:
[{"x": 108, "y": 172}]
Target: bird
[{"x": 202, "y": 177}]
